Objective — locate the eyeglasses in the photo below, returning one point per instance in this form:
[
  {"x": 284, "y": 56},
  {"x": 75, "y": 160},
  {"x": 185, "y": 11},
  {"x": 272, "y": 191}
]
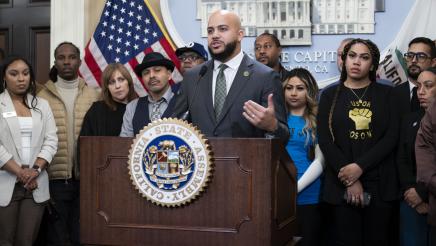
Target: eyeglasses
[
  {"x": 186, "y": 58},
  {"x": 420, "y": 56}
]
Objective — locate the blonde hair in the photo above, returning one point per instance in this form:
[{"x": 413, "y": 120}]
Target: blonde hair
[{"x": 311, "y": 109}]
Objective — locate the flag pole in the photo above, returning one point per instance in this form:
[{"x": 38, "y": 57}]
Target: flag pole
[{"x": 162, "y": 28}]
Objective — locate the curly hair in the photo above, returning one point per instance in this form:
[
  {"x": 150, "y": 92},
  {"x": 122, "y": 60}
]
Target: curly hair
[
  {"x": 375, "y": 59},
  {"x": 311, "y": 109}
]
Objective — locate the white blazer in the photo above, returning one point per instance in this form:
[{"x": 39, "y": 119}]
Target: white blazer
[{"x": 44, "y": 145}]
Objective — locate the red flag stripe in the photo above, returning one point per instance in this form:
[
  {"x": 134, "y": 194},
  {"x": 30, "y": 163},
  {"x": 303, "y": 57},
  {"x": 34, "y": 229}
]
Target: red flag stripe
[
  {"x": 92, "y": 65},
  {"x": 170, "y": 52}
]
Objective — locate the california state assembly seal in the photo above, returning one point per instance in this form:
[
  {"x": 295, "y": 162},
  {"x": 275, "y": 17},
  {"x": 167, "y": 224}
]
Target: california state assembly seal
[{"x": 170, "y": 162}]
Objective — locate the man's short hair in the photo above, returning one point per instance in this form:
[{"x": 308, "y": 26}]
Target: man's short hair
[
  {"x": 69, "y": 43},
  {"x": 272, "y": 36},
  {"x": 426, "y": 41}
]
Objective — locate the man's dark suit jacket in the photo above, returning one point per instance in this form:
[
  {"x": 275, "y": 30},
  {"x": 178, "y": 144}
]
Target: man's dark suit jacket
[
  {"x": 406, "y": 161},
  {"x": 253, "y": 81},
  {"x": 402, "y": 97}
]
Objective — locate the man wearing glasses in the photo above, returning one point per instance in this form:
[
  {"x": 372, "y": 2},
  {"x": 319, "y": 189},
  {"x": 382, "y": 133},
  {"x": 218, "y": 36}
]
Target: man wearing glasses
[
  {"x": 420, "y": 56},
  {"x": 191, "y": 55}
]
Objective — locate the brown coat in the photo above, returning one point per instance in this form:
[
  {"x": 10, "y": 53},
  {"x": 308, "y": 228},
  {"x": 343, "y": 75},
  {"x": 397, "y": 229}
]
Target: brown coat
[
  {"x": 425, "y": 150},
  {"x": 61, "y": 166}
]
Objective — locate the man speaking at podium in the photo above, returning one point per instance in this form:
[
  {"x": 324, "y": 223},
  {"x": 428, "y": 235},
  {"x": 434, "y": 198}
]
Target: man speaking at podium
[{"x": 232, "y": 95}]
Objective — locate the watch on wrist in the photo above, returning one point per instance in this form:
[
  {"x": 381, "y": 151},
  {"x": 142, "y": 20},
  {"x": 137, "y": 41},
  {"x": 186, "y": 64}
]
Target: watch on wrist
[{"x": 37, "y": 168}]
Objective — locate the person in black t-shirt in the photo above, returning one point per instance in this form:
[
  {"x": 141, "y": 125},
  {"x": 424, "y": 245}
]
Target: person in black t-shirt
[{"x": 358, "y": 130}]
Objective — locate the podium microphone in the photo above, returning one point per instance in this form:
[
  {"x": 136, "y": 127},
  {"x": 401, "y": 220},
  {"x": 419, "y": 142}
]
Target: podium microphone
[{"x": 202, "y": 72}]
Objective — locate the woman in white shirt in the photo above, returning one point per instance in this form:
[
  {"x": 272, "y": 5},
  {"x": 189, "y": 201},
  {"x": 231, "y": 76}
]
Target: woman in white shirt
[{"x": 28, "y": 142}]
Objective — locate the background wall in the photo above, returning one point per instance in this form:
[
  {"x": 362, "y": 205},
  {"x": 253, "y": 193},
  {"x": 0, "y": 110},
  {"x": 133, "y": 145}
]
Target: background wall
[
  {"x": 387, "y": 25},
  {"x": 183, "y": 14}
]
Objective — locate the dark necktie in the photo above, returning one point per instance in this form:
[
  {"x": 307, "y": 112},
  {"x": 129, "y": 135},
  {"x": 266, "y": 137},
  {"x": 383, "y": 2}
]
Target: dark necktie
[
  {"x": 414, "y": 102},
  {"x": 155, "y": 110},
  {"x": 220, "y": 90}
]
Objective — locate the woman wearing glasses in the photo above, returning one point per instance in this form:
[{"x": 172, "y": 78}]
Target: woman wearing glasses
[{"x": 358, "y": 129}]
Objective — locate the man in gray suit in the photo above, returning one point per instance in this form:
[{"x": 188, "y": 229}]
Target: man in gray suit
[{"x": 232, "y": 95}]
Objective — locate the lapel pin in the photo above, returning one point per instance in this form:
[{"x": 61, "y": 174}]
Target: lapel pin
[
  {"x": 415, "y": 123},
  {"x": 246, "y": 73}
]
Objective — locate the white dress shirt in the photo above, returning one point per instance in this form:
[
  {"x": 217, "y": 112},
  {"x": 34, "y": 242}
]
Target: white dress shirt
[
  {"x": 411, "y": 86},
  {"x": 229, "y": 73}
]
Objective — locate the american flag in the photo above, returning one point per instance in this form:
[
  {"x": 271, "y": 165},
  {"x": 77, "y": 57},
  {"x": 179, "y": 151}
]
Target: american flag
[{"x": 126, "y": 32}]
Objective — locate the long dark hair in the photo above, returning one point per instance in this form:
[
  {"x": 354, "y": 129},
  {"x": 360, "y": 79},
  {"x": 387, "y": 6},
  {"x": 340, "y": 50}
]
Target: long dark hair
[
  {"x": 32, "y": 84},
  {"x": 375, "y": 59},
  {"x": 375, "y": 56}
]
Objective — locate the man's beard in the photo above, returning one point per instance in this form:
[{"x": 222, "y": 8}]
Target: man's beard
[
  {"x": 226, "y": 53},
  {"x": 272, "y": 63},
  {"x": 413, "y": 75}
]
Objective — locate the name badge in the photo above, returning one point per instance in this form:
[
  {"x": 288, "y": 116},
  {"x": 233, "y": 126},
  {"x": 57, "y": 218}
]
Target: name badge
[{"x": 9, "y": 114}]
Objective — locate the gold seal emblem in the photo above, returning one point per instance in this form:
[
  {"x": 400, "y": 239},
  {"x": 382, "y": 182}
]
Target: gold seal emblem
[{"x": 170, "y": 162}]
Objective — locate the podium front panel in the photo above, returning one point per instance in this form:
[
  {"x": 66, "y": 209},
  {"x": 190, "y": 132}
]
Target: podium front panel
[{"x": 240, "y": 205}]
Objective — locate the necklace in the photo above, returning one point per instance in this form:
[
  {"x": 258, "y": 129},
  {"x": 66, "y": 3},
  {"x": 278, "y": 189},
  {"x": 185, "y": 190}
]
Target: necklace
[{"x": 360, "y": 98}]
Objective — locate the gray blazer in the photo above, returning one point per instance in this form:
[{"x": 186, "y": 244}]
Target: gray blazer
[
  {"x": 253, "y": 81},
  {"x": 44, "y": 145}
]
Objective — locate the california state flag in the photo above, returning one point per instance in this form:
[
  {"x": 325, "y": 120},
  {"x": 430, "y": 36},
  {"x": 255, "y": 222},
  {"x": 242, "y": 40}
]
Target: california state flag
[{"x": 420, "y": 22}]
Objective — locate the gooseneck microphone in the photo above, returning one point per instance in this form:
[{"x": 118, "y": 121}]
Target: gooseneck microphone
[{"x": 202, "y": 72}]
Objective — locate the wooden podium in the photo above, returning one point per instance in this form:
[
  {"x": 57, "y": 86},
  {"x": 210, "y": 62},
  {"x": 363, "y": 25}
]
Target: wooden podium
[{"x": 250, "y": 200}]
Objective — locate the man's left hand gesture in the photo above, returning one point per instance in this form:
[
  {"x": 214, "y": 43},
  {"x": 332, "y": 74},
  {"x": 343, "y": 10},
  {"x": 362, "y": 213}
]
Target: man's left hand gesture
[{"x": 261, "y": 117}]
